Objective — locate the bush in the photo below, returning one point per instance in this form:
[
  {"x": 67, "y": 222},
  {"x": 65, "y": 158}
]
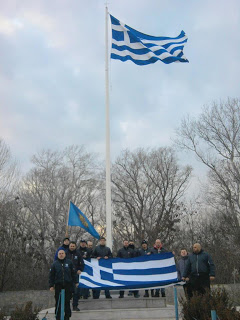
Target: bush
[
  {"x": 27, "y": 312},
  {"x": 2, "y": 316},
  {"x": 199, "y": 306}
]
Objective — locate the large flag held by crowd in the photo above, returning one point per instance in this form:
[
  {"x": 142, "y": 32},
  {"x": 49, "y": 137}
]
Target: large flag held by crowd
[
  {"x": 143, "y": 49},
  {"x": 136, "y": 273}
]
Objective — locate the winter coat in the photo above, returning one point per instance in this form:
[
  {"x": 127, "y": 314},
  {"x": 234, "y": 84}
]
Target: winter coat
[
  {"x": 76, "y": 258},
  {"x": 155, "y": 250},
  {"x": 199, "y": 263},
  {"x": 62, "y": 272},
  {"x": 143, "y": 252},
  {"x": 181, "y": 265},
  {"x": 102, "y": 251},
  {"x": 125, "y": 253}
]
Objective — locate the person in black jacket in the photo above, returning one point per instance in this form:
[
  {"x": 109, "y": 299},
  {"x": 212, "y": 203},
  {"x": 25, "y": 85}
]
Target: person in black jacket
[
  {"x": 145, "y": 251},
  {"x": 62, "y": 275},
  {"x": 102, "y": 252},
  {"x": 64, "y": 247},
  {"x": 158, "y": 249},
  {"x": 78, "y": 263},
  {"x": 83, "y": 249},
  {"x": 125, "y": 253},
  {"x": 199, "y": 271}
]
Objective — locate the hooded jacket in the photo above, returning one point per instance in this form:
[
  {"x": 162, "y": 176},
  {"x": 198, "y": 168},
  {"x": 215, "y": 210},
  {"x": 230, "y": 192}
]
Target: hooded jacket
[{"x": 199, "y": 264}]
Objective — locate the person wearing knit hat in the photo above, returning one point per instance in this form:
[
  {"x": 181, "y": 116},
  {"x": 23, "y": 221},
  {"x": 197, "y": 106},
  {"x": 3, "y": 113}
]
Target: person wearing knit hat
[{"x": 64, "y": 246}]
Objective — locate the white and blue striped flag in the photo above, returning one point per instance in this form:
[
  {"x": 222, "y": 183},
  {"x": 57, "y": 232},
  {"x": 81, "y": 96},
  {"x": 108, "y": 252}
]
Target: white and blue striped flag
[
  {"x": 142, "y": 49},
  {"x": 136, "y": 273}
]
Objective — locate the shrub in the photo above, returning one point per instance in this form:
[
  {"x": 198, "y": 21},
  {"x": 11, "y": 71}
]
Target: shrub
[
  {"x": 2, "y": 315},
  {"x": 199, "y": 306},
  {"x": 27, "y": 312}
]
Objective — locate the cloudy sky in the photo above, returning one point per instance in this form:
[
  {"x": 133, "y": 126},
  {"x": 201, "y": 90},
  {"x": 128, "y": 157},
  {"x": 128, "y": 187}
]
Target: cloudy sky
[{"x": 52, "y": 72}]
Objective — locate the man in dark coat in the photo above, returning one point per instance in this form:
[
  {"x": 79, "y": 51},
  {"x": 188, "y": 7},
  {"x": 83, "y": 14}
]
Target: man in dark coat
[
  {"x": 64, "y": 247},
  {"x": 83, "y": 249},
  {"x": 102, "y": 252},
  {"x": 145, "y": 251},
  {"x": 199, "y": 271},
  {"x": 125, "y": 253},
  {"x": 78, "y": 263},
  {"x": 158, "y": 249},
  {"x": 62, "y": 275}
]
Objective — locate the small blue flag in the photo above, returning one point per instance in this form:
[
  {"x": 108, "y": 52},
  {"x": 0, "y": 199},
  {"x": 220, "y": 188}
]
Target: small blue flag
[{"x": 77, "y": 218}]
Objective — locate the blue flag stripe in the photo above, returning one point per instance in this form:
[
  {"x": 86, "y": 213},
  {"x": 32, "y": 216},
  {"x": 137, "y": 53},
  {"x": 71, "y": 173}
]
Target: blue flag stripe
[
  {"x": 129, "y": 44},
  {"x": 146, "y": 271}
]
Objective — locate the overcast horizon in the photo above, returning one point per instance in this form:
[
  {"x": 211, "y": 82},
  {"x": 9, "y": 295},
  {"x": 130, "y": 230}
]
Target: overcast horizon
[{"x": 52, "y": 72}]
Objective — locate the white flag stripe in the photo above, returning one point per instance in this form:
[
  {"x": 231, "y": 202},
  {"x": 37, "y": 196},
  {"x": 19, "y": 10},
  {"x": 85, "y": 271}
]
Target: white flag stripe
[
  {"x": 160, "y": 42},
  {"x": 101, "y": 281},
  {"x": 147, "y": 278},
  {"x": 88, "y": 283},
  {"x": 146, "y": 56},
  {"x": 143, "y": 265},
  {"x": 139, "y": 45}
]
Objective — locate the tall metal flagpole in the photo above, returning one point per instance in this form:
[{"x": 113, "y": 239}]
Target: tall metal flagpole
[{"x": 108, "y": 160}]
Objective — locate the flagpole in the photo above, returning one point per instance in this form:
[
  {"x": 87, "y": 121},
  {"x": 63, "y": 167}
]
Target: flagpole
[
  {"x": 108, "y": 161},
  {"x": 66, "y": 233}
]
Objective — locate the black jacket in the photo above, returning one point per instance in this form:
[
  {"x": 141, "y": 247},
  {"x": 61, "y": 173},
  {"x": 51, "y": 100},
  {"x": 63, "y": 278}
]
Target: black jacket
[
  {"x": 135, "y": 250},
  {"x": 102, "y": 251},
  {"x": 144, "y": 252},
  {"x": 199, "y": 263},
  {"x": 85, "y": 253},
  {"x": 76, "y": 258},
  {"x": 125, "y": 253},
  {"x": 62, "y": 272}
]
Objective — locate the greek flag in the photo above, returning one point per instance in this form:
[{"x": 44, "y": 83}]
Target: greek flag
[
  {"x": 142, "y": 49},
  {"x": 143, "y": 272}
]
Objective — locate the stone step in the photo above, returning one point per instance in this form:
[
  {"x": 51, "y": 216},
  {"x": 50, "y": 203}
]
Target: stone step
[
  {"x": 167, "y": 313},
  {"x": 124, "y": 303}
]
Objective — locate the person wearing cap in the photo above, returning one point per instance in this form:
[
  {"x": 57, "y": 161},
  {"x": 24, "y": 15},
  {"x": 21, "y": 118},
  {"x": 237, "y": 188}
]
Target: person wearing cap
[
  {"x": 64, "y": 247},
  {"x": 83, "y": 249},
  {"x": 102, "y": 252},
  {"x": 145, "y": 251}
]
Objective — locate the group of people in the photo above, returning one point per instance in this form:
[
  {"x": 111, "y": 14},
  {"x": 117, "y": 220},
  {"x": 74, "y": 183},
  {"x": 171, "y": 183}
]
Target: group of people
[{"x": 196, "y": 269}]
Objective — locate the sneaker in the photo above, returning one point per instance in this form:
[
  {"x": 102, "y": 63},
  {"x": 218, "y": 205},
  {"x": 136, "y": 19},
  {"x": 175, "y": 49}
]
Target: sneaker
[
  {"x": 108, "y": 297},
  {"x": 121, "y": 297},
  {"x": 130, "y": 294},
  {"x": 76, "y": 309}
]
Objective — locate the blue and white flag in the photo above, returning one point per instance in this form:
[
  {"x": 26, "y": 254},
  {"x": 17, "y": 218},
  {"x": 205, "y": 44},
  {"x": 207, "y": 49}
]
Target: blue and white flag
[
  {"x": 156, "y": 270},
  {"x": 143, "y": 49}
]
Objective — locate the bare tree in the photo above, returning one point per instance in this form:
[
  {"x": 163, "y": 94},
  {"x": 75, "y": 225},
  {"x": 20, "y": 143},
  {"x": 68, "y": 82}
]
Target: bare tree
[
  {"x": 215, "y": 139},
  {"x": 148, "y": 186},
  {"x": 57, "y": 178}
]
